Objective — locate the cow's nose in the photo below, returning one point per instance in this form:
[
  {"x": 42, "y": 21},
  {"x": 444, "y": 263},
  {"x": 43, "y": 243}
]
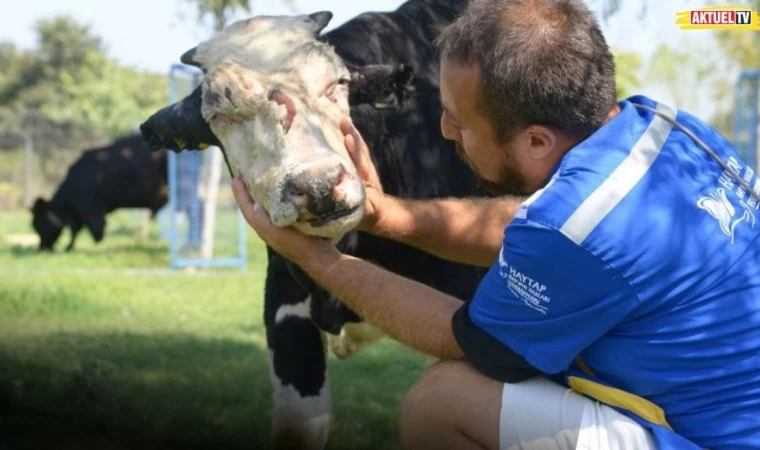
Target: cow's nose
[{"x": 313, "y": 190}]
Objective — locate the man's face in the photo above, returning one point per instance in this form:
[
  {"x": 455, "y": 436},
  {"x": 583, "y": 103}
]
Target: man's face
[{"x": 462, "y": 121}]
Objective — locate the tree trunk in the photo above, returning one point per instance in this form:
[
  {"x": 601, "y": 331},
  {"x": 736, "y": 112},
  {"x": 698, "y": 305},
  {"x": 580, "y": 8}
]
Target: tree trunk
[{"x": 28, "y": 159}]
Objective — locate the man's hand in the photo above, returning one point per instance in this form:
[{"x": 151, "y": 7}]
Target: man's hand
[
  {"x": 301, "y": 249},
  {"x": 376, "y": 204}
]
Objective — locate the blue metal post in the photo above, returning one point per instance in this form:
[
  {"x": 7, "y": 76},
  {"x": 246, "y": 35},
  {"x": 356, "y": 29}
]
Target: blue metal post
[
  {"x": 176, "y": 162},
  {"x": 752, "y": 141},
  {"x": 739, "y": 116},
  {"x": 746, "y": 120},
  {"x": 172, "y": 177},
  {"x": 242, "y": 241}
]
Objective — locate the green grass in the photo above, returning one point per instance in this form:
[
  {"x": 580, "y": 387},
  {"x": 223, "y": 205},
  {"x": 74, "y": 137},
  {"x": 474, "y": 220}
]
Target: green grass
[{"x": 107, "y": 348}]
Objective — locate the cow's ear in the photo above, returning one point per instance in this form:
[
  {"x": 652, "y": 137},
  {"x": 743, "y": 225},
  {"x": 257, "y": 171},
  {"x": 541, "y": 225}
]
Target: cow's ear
[
  {"x": 179, "y": 127},
  {"x": 40, "y": 204},
  {"x": 381, "y": 85},
  {"x": 319, "y": 20}
]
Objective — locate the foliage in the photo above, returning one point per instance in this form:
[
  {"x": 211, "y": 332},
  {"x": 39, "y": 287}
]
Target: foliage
[
  {"x": 627, "y": 68},
  {"x": 742, "y": 48},
  {"x": 71, "y": 81},
  {"x": 220, "y": 11},
  {"x": 683, "y": 69}
]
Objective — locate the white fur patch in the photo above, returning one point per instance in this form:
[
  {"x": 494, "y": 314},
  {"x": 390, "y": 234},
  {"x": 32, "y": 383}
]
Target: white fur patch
[
  {"x": 308, "y": 418},
  {"x": 302, "y": 310}
]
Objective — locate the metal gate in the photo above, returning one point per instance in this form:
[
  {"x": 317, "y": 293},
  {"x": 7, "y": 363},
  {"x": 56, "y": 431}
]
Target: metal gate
[{"x": 204, "y": 226}]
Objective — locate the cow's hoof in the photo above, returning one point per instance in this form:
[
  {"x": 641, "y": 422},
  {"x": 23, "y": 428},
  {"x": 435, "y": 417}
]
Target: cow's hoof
[
  {"x": 295, "y": 440},
  {"x": 353, "y": 337},
  {"x": 342, "y": 349}
]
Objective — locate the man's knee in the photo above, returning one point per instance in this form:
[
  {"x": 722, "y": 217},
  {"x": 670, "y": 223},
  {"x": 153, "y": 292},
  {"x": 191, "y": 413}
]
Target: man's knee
[
  {"x": 452, "y": 405},
  {"x": 436, "y": 383}
]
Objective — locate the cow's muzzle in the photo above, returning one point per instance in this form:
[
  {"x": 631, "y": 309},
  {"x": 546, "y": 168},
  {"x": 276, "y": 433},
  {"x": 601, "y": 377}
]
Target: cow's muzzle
[
  {"x": 320, "y": 192},
  {"x": 179, "y": 127}
]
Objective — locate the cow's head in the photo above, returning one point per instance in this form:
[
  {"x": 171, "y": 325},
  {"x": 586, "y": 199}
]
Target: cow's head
[
  {"x": 46, "y": 223},
  {"x": 272, "y": 97}
]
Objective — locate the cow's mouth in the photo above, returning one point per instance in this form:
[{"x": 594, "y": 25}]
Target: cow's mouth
[{"x": 324, "y": 220}]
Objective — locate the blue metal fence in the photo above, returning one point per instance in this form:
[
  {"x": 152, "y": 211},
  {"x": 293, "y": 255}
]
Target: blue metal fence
[
  {"x": 184, "y": 222},
  {"x": 745, "y": 125}
]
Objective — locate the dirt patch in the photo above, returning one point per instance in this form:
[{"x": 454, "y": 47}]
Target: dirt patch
[{"x": 23, "y": 239}]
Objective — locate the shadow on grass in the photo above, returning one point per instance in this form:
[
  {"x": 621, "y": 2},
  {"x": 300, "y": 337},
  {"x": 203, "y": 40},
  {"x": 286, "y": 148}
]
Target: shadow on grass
[
  {"x": 120, "y": 391},
  {"x": 151, "y": 247},
  {"x": 22, "y": 250},
  {"x": 106, "y": 255},
  {"x": 133, "y": 391}
]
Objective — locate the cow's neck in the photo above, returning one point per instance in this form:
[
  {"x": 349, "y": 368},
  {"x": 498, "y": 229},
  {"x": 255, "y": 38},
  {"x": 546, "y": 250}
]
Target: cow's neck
[{"x": 58, "y": 206}]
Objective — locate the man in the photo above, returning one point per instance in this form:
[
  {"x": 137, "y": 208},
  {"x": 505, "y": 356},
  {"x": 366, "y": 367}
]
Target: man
[{"x": 628, "y": 276}]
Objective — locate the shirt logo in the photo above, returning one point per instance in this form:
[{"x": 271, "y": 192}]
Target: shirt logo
[
  {"x": 503, "y": 266},
  {"x": 720, "y": 207},
  {"x": 527, "y": 289}
]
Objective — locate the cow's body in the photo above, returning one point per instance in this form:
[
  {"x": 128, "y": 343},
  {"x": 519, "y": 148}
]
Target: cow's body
[
  {"x": 413, "y": 161},
  {"x": 274, "y": 92},
  {"x": 125, "y": 174}
]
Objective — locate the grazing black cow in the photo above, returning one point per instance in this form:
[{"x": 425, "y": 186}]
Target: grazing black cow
[
  {"x": 271, "y": 98},
  {"x": 124, "y": 174}
]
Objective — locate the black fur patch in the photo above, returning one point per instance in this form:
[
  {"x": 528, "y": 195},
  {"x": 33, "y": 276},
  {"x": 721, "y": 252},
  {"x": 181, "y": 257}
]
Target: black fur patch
[
  {"x": 381, "y": 85},
  {"x": 298, "y": 359}
]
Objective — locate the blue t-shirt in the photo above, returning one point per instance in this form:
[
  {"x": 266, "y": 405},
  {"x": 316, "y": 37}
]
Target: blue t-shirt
[{"x": 641, "y": 257}]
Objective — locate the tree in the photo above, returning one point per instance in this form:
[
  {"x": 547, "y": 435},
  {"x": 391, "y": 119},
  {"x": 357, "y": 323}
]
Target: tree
[
  {"x": 220, "y": 11},
  {"x": 627, "y": 68},
  {"x": 71, "y": 79},
  {"x": 65, "y": 43},
  {"x": 741, "y": 50},
  {"x": 68, "y": 94}
]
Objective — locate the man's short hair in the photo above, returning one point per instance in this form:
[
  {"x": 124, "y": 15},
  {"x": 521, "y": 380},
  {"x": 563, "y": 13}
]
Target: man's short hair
[{"x": 541, "y": 62}]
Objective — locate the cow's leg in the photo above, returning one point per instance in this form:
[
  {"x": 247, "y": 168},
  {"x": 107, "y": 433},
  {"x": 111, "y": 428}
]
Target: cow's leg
[
  {"x": 76, "y": 227},
  {"x": 96, "y": 223},
  {"x": 297, "y": 361}
]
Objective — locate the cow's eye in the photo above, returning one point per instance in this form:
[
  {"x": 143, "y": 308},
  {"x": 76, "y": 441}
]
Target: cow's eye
[{"x": 344, "y": 81}]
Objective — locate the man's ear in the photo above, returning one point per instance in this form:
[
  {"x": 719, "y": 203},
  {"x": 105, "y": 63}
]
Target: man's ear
[
  {"x": 179, "y": 127},
  {"x": 381, "y": 85}
]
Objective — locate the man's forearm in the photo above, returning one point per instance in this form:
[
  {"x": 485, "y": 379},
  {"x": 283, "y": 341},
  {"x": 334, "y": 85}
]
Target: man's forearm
[
  {"x": 407, "y": 311},
  {"x": 469, "y": 231}
]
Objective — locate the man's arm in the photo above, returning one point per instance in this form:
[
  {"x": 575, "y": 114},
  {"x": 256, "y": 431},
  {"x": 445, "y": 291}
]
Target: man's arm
[
  {"x": 407, "y": 311},
  {"x": 412, "y": 313},
  {"x": 468, "y": 231}
]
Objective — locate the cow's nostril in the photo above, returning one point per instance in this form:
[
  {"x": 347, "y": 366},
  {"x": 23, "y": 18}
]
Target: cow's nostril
[
  {"x": 316, "y": 191},
  {"x": 339, "y": 192},
  {"x": 337, "y": 175},
  {"x": 298, "y": 197}
]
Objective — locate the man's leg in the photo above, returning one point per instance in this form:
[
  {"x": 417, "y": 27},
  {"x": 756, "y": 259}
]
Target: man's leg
[{"x": 454, "y": 406}]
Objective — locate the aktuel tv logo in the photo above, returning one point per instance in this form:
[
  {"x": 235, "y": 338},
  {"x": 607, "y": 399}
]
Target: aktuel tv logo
[{"x": 731, "y": 17}]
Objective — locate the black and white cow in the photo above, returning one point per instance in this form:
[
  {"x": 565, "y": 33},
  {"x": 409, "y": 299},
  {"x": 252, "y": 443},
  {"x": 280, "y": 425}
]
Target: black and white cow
[{"x": 273, "y": 94}]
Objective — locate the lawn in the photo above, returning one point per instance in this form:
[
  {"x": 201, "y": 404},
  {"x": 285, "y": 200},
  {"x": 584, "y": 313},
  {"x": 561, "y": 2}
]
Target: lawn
[{"x": 106, "y": 348}]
